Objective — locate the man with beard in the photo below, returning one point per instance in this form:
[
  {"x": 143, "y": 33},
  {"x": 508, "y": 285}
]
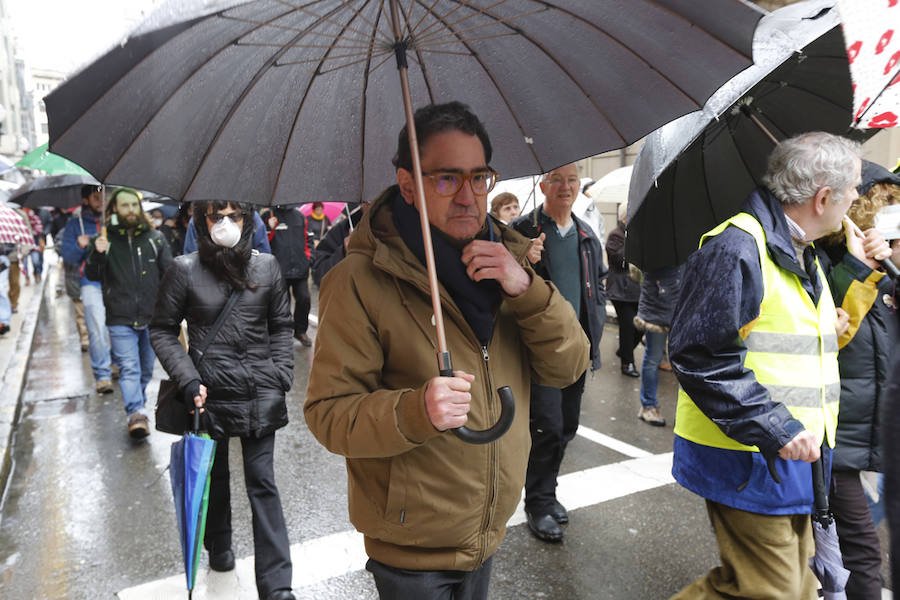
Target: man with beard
[
  {"x": 75, "y": 248},
  {"x": 129, "y": 264}
]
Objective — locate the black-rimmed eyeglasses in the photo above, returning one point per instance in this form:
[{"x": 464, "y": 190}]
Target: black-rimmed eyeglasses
[{"x": 448, "y": 183}]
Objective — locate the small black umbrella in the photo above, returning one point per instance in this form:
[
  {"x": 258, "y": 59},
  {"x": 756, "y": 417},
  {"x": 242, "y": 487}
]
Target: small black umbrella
[
  {"x": 60, "y": 191},
  {"x": 697, "y": 171},
  {"x": 273, "y": 102}
]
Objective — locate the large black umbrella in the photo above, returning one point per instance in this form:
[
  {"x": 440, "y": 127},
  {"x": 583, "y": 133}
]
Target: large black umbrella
[
  {"x": 697, "y": 171},
  {"x": 275, "y": 102},
  {"x": 60, "y": 191}
]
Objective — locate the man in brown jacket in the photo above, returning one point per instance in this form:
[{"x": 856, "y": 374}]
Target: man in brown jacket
[{"x": 433, "y": 508}]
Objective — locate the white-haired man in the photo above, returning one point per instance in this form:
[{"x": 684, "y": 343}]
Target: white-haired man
[{"x": 754, "y": 346}]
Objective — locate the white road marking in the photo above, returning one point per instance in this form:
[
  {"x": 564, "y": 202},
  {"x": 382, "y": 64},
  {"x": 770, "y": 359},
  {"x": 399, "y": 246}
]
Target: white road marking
[
  {"x": 341, "y": 553},
  {"x": 612, "y": 443},
  {"x": 608, "y": 482}
]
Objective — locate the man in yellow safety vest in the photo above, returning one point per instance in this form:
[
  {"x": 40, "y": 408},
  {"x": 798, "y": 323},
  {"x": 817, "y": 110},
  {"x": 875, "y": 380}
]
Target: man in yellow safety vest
[{"x": 754, "y": 346}]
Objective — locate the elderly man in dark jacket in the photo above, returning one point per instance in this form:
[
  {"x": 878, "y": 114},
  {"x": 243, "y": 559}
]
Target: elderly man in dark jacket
[
  {"x": 571, "y": 256},
  {"x": 290, "y": 245},
  {"x": 129, "y": 265}
]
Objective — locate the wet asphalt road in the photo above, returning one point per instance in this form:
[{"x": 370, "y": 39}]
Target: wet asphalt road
[{"x": 88, "y": 513}]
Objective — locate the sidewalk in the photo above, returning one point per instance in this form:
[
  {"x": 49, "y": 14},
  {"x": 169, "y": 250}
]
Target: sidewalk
[{"x": 15, "y": 355}]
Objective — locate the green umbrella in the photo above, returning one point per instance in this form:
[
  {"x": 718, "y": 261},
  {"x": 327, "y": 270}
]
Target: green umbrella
[{"x": 43, "y": 160}]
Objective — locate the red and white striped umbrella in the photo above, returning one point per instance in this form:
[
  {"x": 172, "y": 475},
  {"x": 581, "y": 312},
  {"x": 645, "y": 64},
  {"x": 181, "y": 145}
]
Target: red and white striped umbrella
[
  {"x": 872, "y": 35},
  {"x": 13, "y": 229}
]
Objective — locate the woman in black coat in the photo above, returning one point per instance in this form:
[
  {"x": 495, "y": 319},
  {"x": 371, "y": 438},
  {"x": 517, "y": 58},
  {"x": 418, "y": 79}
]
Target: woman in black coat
[
  {"x": 241, "y": 382},
  {"x": 864, "y": 360}
]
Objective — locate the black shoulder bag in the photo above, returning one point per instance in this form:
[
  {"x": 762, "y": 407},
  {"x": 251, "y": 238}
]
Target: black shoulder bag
[{"x": 171, "y": 412}]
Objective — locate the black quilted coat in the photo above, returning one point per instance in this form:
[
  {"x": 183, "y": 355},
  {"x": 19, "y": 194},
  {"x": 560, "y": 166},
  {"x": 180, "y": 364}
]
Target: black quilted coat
[
  {"x": 250, "y": 365},
  {"x": 865, "y": 366}
]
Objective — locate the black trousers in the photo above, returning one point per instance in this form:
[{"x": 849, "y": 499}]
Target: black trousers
[
  {"x": 629, "y": 336},
  {"x": 403, "y": 584},
  {"x": 860, "y": 547},
  {"x": 300, "y": 289},
  {"x": 553, "y": 422},
  {"x": 270, "y": 540}
]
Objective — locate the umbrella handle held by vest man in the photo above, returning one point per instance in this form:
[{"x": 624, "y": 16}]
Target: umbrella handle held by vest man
[{"x": 802, "y": 447}]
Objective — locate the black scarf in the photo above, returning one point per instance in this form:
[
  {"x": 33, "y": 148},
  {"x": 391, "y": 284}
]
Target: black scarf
[{"x": 476, "y": 300}]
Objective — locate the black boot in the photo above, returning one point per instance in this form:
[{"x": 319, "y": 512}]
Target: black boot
[{"x": 628, "y": 369}]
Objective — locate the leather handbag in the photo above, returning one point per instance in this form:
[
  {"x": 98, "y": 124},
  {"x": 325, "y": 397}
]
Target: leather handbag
[{"x": 172, "y": 416}]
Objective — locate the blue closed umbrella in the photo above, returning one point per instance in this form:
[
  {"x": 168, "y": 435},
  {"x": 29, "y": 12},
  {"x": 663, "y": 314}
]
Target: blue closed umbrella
[{"x": 189, "y": 470}]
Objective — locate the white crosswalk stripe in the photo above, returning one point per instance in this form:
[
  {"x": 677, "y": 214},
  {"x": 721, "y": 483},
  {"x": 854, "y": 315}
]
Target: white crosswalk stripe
[{"x": 334, "y": 555}]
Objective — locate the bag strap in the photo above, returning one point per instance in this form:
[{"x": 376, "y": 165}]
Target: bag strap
[{"x": 200, "y": 349}]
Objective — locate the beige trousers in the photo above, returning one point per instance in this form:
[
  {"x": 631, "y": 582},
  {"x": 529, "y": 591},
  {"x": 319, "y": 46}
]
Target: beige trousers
[
  {"x": 763, "y": 556},
  {"x": 79, "y": 322}
]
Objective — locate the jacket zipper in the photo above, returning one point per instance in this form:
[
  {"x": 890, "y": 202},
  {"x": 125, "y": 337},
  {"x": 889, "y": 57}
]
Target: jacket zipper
[
  {"x": 492, "y": 456},
  {"x": 587, "y": 273},
  {"x": 137, "y": 272},
  {"x": 487, "y": 520}
]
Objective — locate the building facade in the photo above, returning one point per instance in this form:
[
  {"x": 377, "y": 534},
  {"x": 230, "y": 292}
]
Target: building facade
[
  {"x": 43, "y": 81},
  {"x": 13, "y": 142}
]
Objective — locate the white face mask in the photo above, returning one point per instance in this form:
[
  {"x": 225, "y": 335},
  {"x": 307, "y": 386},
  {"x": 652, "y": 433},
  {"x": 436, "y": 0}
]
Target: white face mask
[{"x": 225, "y": 233}]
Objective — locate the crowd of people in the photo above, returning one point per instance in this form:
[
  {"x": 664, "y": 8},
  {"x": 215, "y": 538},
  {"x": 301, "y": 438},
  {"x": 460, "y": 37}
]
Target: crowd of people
[{"x": 780, "y": 329}]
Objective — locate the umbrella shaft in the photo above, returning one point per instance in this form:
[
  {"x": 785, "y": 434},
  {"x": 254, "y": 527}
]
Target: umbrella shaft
[
  {"x": 749, "y": 114},
  {"x": 420, "y": 192}
]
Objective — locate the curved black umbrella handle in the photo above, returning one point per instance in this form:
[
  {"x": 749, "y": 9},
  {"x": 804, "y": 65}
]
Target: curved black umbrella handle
[
  {"x": 507, "y": 410},
  {"x": 770, "y": 463},
  {"x": 507, "y": 413}
]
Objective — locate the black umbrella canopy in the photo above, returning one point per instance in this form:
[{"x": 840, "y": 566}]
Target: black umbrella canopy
[
  {"x": 278, "y": 102},
  {"x": 60, "y": 191},
  {"x": 697, "y": 171}
]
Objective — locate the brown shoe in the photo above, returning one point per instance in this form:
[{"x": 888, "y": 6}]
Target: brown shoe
[
  {"x": 664, "y": 366},
  {"x": 303, "y": 339},
  {"x": 138, "y": 426},
  {"x": 651, "y": 415},
  {"x": 104, "y": 386}
]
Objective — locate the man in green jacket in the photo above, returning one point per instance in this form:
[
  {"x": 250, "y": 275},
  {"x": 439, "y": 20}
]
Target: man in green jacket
[
  {"x": 433, "y": 508},
  {"x": 129, "y": 264}
]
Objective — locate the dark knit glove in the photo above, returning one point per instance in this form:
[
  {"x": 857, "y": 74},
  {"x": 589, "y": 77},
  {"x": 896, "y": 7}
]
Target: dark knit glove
[{"x": 190, "y": 390}]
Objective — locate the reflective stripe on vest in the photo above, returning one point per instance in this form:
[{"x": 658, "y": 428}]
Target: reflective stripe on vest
[{"x": 791, "y": 349}]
